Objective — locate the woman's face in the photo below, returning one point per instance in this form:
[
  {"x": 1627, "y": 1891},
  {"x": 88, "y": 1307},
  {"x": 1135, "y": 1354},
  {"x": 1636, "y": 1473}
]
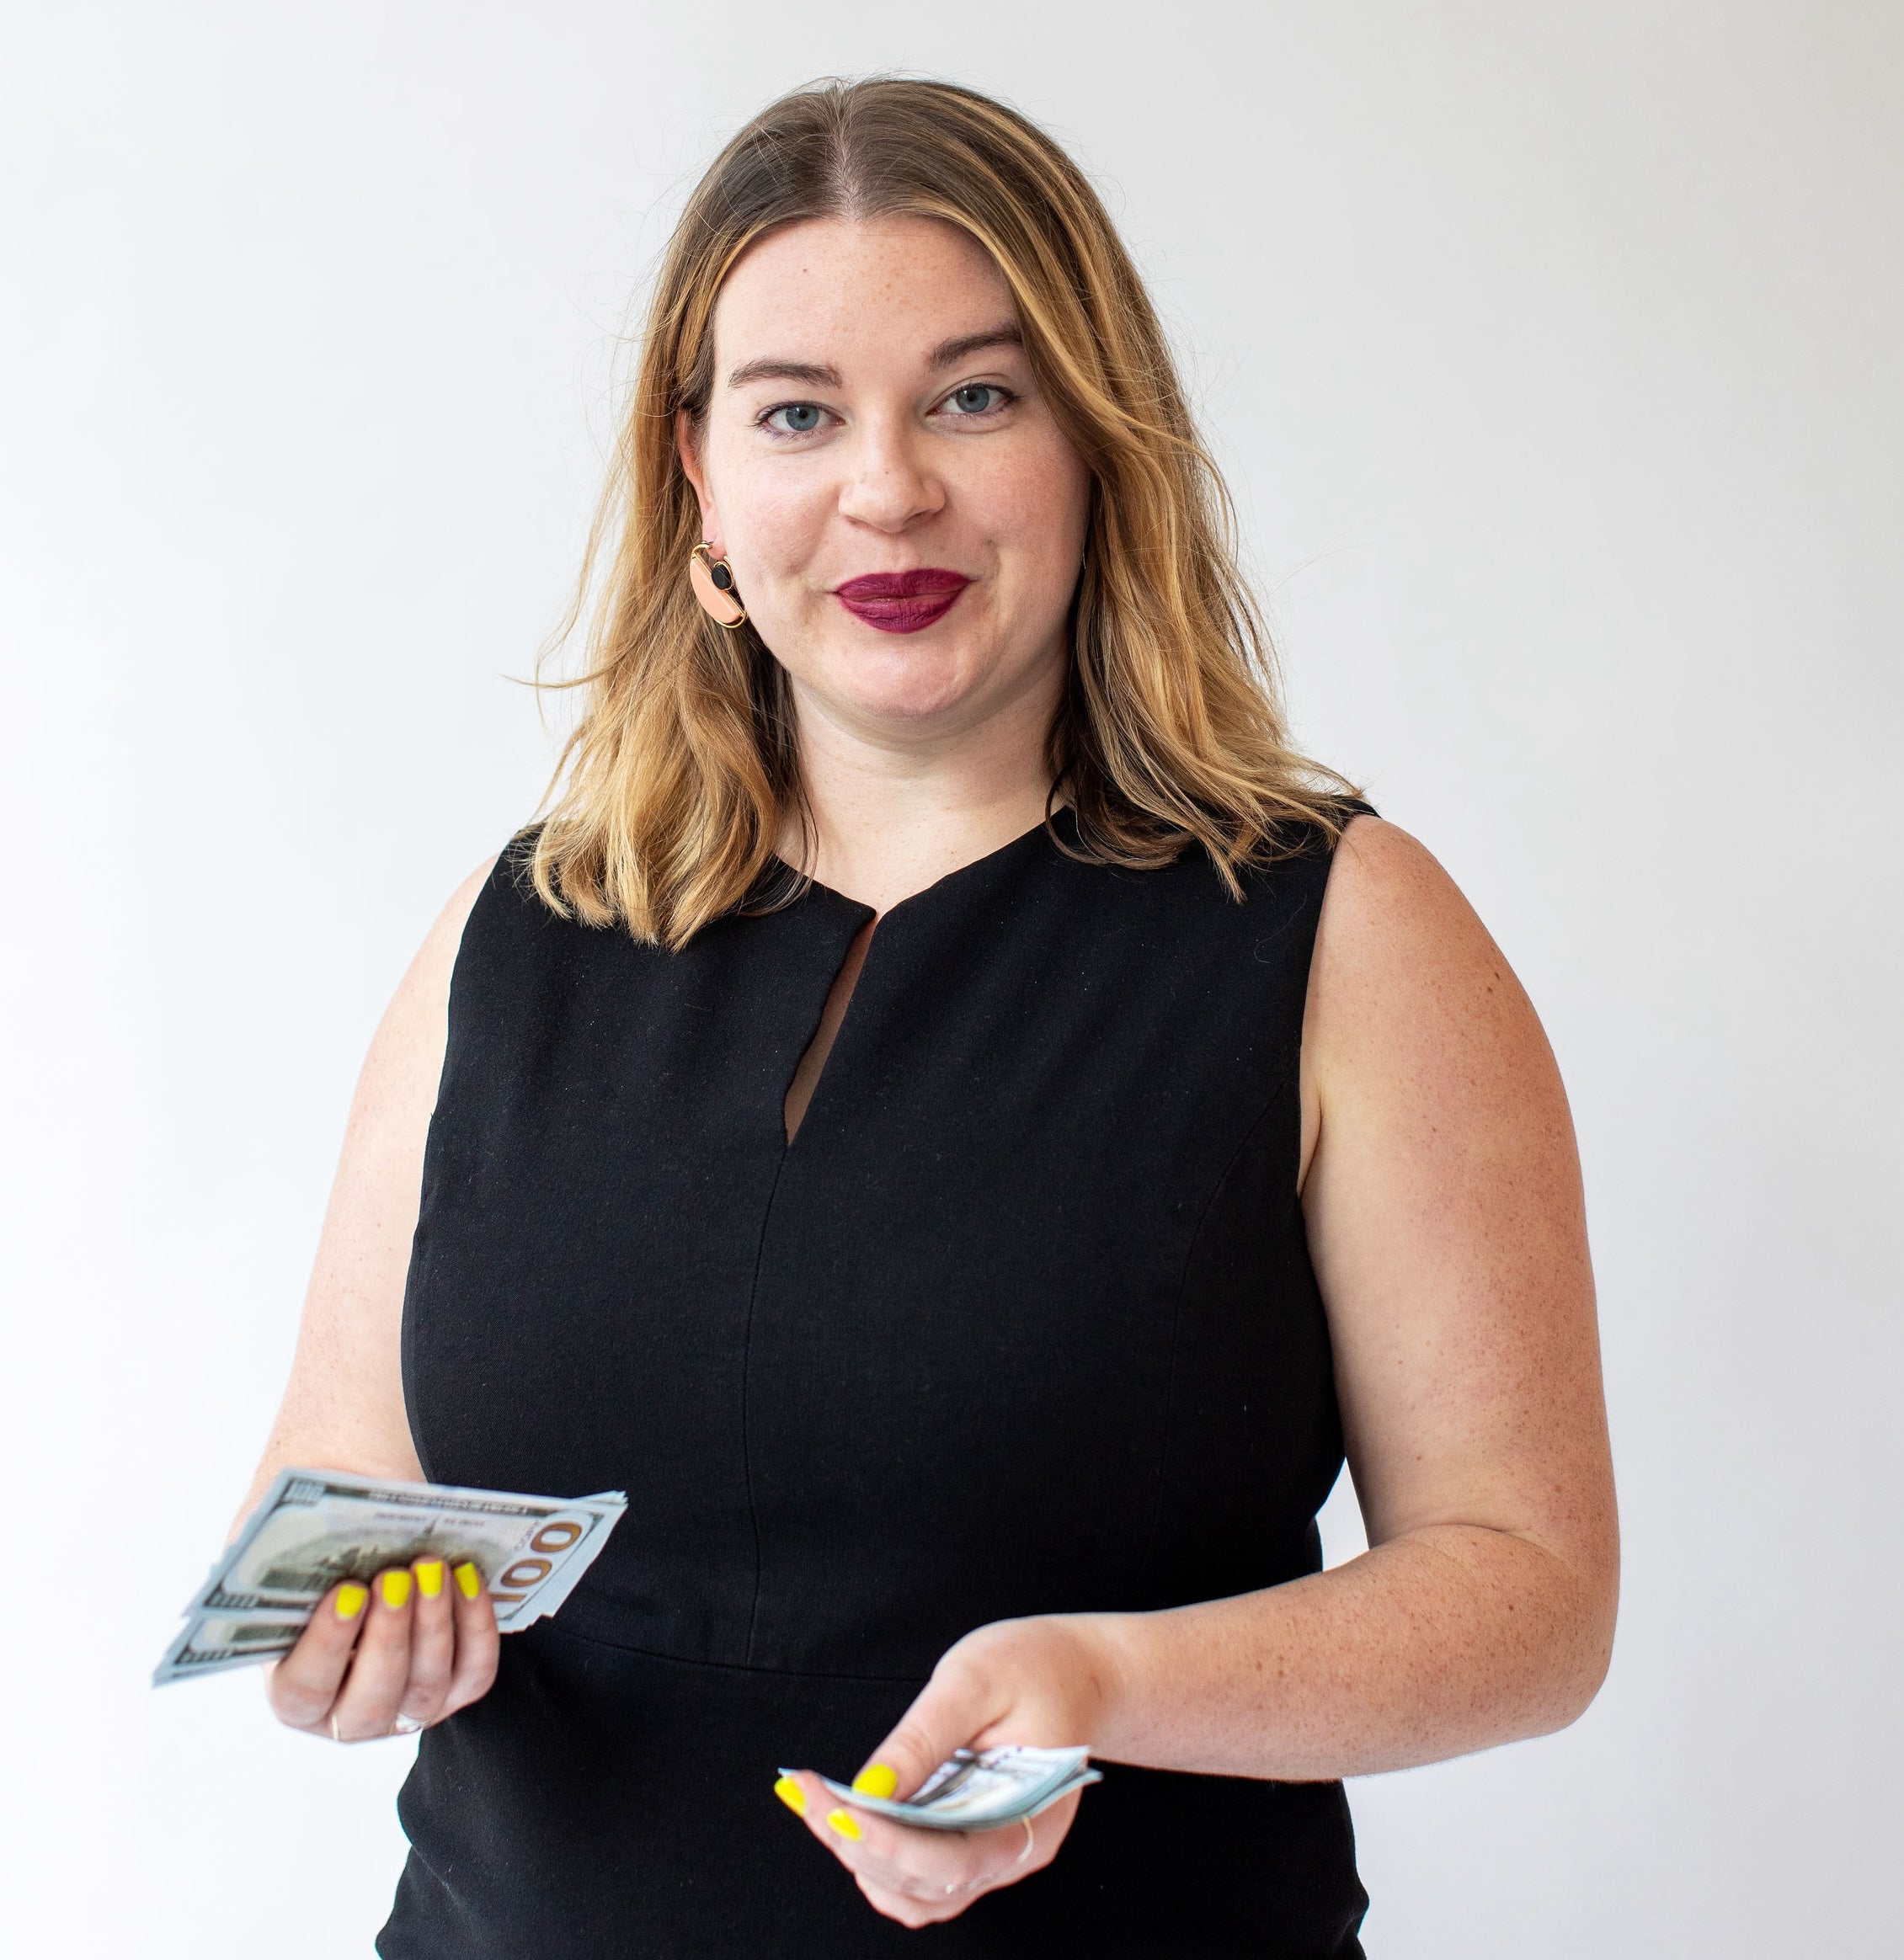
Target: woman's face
[{"x": 904, "y": 517}]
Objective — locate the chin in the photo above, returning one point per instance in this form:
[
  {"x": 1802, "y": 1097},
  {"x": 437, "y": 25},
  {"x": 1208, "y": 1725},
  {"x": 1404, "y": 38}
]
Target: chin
[{"x": 911, "y": 686}]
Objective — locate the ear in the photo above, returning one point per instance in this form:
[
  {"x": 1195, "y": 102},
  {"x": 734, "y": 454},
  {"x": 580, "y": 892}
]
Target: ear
[{"x": 690, "y": 453}]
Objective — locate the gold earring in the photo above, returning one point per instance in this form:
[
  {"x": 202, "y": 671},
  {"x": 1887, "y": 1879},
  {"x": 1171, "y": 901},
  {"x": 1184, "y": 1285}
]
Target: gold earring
[{"x": 712, "y": 581}]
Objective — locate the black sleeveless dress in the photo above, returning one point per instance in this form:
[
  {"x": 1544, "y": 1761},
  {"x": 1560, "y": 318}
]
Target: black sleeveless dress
[{"x": 1022, "y": 1321}]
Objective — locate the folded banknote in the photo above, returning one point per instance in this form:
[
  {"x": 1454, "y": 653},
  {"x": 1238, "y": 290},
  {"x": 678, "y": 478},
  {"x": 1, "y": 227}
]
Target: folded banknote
[
  {"x": 982, "y": 1790},
  {"x": 314, "y": 1528}
]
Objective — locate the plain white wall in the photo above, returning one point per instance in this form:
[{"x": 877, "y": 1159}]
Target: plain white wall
[{"x": 1554, "y": 351}]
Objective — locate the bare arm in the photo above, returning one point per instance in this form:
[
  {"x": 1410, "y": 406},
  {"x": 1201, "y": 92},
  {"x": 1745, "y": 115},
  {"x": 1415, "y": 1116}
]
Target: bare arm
[
  {"x": 419, "y": 1642},
  {"x": 343, "y": 1408},
  {"x": 1443, "y": 1203}
]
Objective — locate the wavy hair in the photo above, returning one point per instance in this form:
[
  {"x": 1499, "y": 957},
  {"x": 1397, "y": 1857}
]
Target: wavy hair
[{"x": 682, "y": 768}]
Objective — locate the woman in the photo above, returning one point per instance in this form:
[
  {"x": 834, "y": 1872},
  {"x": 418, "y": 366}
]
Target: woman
[{"x": 962, "y": 1124}]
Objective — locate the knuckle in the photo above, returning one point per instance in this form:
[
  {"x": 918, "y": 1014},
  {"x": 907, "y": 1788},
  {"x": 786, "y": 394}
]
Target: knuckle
[
  {"x": 462, "y": 1693},
  {"x": 376, "y": 1708},
  {"x": 892, "y": 1905},
  {"x": 427, "y": 1694},
  {"x": 910, "y": 1741},
  {"x": 961, "y": 1663},
  {"x": 296, "y": 1705}
]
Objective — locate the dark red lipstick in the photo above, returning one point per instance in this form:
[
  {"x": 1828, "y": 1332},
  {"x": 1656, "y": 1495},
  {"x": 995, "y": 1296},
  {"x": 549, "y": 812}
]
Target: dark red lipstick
[{"x": 902, "y": 602}]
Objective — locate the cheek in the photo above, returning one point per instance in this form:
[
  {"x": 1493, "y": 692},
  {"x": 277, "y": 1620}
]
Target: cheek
[
  {"x": 1033, "y": 505},
  {"x": 771, "y": 518},
  {"x": 778, "y": 529}
]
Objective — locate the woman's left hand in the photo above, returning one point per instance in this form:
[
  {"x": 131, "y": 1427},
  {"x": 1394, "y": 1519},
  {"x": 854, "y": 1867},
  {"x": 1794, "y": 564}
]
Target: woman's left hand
[{"x": 1046, "y": 1682}]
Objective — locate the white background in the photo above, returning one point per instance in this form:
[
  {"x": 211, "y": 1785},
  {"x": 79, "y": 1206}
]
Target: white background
[{"x": 1554, "y": 351}]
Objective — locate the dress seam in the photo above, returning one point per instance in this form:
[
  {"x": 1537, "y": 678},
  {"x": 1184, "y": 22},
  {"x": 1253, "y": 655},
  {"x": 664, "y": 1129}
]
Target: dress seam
[
  {"x": 796, "y": 1674},
  {"x": 1221, "y": 1178}
]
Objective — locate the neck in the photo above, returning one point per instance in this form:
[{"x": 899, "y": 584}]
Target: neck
[{"x": 895, "y": 810}]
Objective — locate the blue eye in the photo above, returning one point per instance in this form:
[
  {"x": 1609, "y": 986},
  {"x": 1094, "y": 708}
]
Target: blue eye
[
  {"x": 975, "y": 398},
  {"x": 795, "y": 418}
]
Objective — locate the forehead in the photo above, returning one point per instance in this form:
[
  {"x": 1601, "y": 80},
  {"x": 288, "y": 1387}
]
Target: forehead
[{"x": 896, "y": 286}]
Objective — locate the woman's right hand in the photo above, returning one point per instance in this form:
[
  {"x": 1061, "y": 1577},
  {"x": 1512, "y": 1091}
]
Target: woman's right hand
[{"x": 386, "y": 1658}]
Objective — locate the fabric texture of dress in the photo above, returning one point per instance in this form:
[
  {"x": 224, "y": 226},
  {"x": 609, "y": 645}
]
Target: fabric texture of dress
[{"x": 1022, "y": 1321}]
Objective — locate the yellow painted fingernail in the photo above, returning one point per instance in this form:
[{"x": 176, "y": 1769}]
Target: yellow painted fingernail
[
  {"x": 876, "y": 1780},
  {"x": 469, "y": 1580},
  {"x": 351, "y": 1597},
  {"x": 792, "y": 1795},
  {"x": 845, "y": 1822},
  {"x": 395, "y": 1587},
  {"x": 429, "y": 1576}
]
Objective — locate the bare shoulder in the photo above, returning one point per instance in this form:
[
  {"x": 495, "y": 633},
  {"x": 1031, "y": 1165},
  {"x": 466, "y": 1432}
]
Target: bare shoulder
[
  {"x": 455, "y": 915},
  {"x": 436, "y": 958},
  {"x": 1389, "y": 898},
  {"x": 1403, "y": 963},
  {"x": 406, "y": 1055}
]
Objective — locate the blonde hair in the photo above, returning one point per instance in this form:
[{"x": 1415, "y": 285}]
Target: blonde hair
[{"x": 683, "y": 766}]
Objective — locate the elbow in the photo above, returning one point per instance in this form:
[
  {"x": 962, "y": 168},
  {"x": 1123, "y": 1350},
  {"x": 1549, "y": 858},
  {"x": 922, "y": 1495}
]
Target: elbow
[
  {"x": 1580, "y": 1681},
  {"x": 1584, "y": 1643}
]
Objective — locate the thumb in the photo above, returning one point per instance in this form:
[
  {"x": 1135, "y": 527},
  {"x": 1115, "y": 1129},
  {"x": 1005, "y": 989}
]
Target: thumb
[{"x": 959, "y": 1703}]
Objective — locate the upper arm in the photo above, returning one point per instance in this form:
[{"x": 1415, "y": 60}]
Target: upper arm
[
  {"x": 343, "y": 1409},
  {"x": 1446, "y": 1221}
]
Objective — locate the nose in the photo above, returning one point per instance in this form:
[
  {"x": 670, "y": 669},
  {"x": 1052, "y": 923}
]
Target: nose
[{"x": 889, "y": 485}]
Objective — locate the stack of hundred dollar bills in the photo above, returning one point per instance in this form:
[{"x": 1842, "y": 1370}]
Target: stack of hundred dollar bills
[
  {"x": 983, "y": 1789},
  {"x": 315, "y": 1527}
]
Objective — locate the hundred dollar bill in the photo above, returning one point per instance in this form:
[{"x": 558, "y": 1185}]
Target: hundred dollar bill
[
  {"x": 217, "y": 1641},
  {"x": 982, "y": 1791},
  {"x": 315, "y": 1527}
]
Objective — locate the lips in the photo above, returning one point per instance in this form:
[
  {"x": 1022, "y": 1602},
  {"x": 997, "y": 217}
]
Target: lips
[{"x": 902, "y": 602}]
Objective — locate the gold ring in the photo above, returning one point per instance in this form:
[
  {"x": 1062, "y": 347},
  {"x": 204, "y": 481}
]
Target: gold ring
[
  {"x": 1031, "y": 1842},
  {"x": 335, "y": 1737}
]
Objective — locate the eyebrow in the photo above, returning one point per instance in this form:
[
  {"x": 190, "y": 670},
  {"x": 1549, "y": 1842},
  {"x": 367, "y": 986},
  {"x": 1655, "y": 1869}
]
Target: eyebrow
[
  {"x": 784, "y": 371},
  {"x": 947, "y": 353}
]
